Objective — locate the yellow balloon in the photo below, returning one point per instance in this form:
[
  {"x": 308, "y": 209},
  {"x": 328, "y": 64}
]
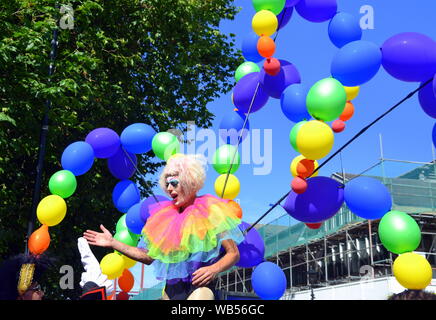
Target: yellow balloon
[
  {"x": 412, "y": 271},
  {"x": 128, "y": 263},
  {"x": 51, "y": 210},
  {"x": 232, "y": 187},
  {"x": 315, "y": 139},
  {"x": 264, "y": 23},
  {"x": 351, "y": 92},
  {"x": 295, "y": 163},
  {"x": 112, "y": 265}
]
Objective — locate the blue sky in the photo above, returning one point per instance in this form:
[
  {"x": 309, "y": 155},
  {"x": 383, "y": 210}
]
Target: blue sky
[{"x": 406, "y": 131}]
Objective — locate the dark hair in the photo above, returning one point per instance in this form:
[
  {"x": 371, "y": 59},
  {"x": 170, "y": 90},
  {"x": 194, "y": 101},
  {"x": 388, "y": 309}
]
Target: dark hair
[
  {"x": 413, "y": 295},
  {"x": 10, "y": 273}
]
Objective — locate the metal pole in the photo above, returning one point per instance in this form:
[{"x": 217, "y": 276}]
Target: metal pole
[
  {"x": 42, "y": 142},
  {"x": 370, "y": 242}
]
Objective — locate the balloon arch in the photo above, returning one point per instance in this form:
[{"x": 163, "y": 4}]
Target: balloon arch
[{"x": 313, "y": 199}]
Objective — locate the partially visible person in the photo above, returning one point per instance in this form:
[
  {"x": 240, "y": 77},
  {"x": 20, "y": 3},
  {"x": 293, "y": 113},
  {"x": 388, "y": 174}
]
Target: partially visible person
[
  {"x": 413, "y": 295},
  {"x": 95, "y": 285},
  {"x": 20, "y": 276}
]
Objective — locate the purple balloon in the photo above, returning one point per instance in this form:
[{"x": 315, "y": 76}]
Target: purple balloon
[
  {"x": 104, "y": 141},
  {"x": 144, "y": 210},
  {"x": 409, "y": 56},
  {"x": 434, "y": 84},
  {"x": 322, "y": 199},
  {"x": 427, "y": 100},
  {"x": 284, "y": 16},
  {"x": 291, "y": 3},
  {"x": 275, "y": 85},
  {"x": 121, "y": 166},
  {"x": 252, "y": 249},
  {"x": 317, "y": 10},
  {"x": 244, "y": 91}
]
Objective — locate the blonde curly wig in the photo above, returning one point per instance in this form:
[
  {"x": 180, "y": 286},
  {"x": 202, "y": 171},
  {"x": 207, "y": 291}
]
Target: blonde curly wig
[{"x": 190, "y": 169}]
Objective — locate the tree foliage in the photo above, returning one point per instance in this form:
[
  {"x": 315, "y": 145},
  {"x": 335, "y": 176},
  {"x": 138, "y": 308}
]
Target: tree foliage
[{"x": 154, "y": 61}]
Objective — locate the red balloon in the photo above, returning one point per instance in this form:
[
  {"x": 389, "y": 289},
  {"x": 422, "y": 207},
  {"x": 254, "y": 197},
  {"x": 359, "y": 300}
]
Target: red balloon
[
  {"x": 123, "y": 296},
  {"x": 299, "y": 185},
  {"x": 126, "y": 281},
  {"x": 314, "y": 225},
  {"x": 272, "y": 66},
  {"x": 39, "y": 241},
  {"x": 338, "y": 126}
]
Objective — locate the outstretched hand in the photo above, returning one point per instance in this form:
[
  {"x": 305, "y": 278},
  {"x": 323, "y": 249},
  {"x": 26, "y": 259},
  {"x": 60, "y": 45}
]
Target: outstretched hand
[{"x": 100, "y": 239}]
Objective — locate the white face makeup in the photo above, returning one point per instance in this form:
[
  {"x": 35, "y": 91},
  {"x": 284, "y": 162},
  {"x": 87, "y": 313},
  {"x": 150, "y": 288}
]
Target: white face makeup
[{"x": 174, "y": 190}]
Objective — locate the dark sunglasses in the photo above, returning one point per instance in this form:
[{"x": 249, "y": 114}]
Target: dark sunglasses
[
  {"x": 173, "y": 182},
  {"x": 36, "y": 288}
]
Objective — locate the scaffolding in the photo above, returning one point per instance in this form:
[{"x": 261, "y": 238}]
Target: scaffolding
[{"x": 346, "y": 248}]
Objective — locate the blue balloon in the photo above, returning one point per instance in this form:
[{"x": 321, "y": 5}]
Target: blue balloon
[
  {"x": 293, "y": 103},
  {"x": 427, "y": 100},
  {"x": 434, "y": 135},
  {"x": 137, "y": 138},
  {"x": 125, "y": 195},
  {"x": 268, "y": 281},
  {"x": 367, "y": 197},
  {"x": 145, "y": 206},
  {"x": 356, "y": 63},
  {"x": 78, "y": 157},
  {"x": 133, "y": 219},
  {"x": 251, "y": 249},
  {"x": 249, "y": 47},
  {"x": 122, "y": 165},
  {"x": 322, "y": 199},
  {"x": 344, "y": 28},
  {"x": 231, "y": 126}
]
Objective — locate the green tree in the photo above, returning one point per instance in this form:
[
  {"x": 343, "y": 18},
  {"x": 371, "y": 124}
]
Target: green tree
[{"x": 154, "y": 61}]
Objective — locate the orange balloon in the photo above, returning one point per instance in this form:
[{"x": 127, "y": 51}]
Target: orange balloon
[
  {"x": 126, "y": 281},
  {"x": 266, "y": 46},
  {"x": 305, "y": 168},
  {"x": 236, "y": 207},
  {"x": 39, "y": 241},
  {"x": 348, "y": 111}
]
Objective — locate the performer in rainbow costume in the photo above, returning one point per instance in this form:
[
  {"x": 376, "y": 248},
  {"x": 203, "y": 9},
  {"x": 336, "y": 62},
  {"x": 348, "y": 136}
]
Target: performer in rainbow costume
[{"x": 190, "y": 239}]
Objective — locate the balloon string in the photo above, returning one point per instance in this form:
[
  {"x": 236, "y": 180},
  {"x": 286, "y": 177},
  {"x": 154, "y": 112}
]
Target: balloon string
[
  {"x": 137, "y": 171},
  {"x": 410, "y": 95},
  {"x": 240, "y": 139},
  {"x": 248, "y": 114}
]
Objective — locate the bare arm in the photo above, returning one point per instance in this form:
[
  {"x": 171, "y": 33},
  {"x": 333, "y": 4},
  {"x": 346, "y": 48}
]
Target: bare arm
[
  {"x": 106, "y": 240},
  {"x": 203, "y": 276}
]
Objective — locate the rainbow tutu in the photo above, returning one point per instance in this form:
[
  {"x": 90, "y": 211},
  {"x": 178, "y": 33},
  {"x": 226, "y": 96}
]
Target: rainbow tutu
[{"x": 180, "y": 243}]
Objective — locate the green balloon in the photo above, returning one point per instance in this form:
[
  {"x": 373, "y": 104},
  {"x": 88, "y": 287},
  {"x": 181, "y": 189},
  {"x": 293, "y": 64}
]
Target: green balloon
[
  {"x": 246, "y": 68},
  {"x": 293, "y": 134},
  {"x": 126, "y": 237},
  {"x": 276, "y": 6},
  {"x": 121, "y": 224},
  {"x": 63, "y": 183},
  {"x": 326, "y": 99},
  {"x": 222, "y": 159},
  {"x": 399, "y": 232},
  {"x": 164, "y": 145}
]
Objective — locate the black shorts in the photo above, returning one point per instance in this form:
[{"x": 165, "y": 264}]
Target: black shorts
[{"x": 181, "y": 289}]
